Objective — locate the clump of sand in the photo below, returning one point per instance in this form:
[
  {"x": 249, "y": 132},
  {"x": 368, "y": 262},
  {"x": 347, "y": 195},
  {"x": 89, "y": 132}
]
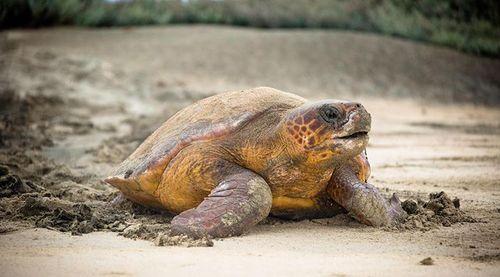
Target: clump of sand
[
  {"x": 161, "y": 236},
  {"x": 439, "y": 210}
]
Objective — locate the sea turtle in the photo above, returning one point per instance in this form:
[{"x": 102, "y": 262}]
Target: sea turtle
[{"x": 225, "y": 163}]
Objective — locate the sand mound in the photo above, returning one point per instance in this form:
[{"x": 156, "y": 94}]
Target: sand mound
[{"x": 438, "y": 211}]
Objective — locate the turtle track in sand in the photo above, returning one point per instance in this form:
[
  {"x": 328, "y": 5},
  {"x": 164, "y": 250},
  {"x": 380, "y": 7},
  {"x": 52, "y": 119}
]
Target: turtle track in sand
[{"x": 38, "y": 191}]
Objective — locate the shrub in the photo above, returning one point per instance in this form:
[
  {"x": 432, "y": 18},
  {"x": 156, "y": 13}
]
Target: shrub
[{"x": 472, "y": 26}]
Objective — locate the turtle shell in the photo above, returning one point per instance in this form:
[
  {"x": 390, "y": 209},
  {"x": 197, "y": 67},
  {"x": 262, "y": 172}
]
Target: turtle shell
[{"x": 210, "y": 118}]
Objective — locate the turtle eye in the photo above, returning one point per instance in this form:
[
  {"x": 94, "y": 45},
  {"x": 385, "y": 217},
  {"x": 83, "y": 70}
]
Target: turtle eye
[{"x": 330, "y": 114}]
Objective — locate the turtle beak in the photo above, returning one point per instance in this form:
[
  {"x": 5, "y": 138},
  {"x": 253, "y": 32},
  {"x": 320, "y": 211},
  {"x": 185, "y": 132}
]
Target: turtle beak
[{"x": 357, "y": 122}]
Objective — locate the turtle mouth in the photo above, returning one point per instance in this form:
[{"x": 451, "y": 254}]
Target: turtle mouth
[{"x": 356, "y": 135}]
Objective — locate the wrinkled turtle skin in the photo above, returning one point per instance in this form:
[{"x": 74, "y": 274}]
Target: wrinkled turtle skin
[{"x": 228, "y": 161}]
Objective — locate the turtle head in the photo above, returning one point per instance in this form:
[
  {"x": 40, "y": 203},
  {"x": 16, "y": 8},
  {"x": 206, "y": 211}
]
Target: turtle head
[{"x": 327, "y": 131}]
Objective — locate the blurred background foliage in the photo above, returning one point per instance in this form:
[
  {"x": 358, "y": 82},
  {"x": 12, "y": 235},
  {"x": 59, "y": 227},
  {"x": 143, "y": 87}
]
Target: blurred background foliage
[{"x": 472, "y": 26}]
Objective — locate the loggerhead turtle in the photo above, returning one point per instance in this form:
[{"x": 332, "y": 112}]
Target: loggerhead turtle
[{"x": 228, "y": 161}]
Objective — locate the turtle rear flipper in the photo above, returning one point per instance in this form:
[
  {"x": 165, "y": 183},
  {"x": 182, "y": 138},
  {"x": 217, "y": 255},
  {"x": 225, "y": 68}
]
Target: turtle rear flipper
[{"x": 132, "y": 190}]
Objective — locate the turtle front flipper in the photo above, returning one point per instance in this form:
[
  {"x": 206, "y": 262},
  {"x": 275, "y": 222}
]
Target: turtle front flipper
[
  {"x": 240, "y": 201},
  {"x": 362, "y": 200}
]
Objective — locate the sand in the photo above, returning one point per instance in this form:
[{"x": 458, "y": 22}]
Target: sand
[{"x": 75, "y": 102}]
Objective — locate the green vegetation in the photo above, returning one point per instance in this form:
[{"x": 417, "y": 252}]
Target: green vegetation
[{"x": 471, "y": 26}]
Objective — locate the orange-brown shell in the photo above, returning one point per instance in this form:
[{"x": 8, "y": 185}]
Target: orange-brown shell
[{"x": 210, "y": 118}]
